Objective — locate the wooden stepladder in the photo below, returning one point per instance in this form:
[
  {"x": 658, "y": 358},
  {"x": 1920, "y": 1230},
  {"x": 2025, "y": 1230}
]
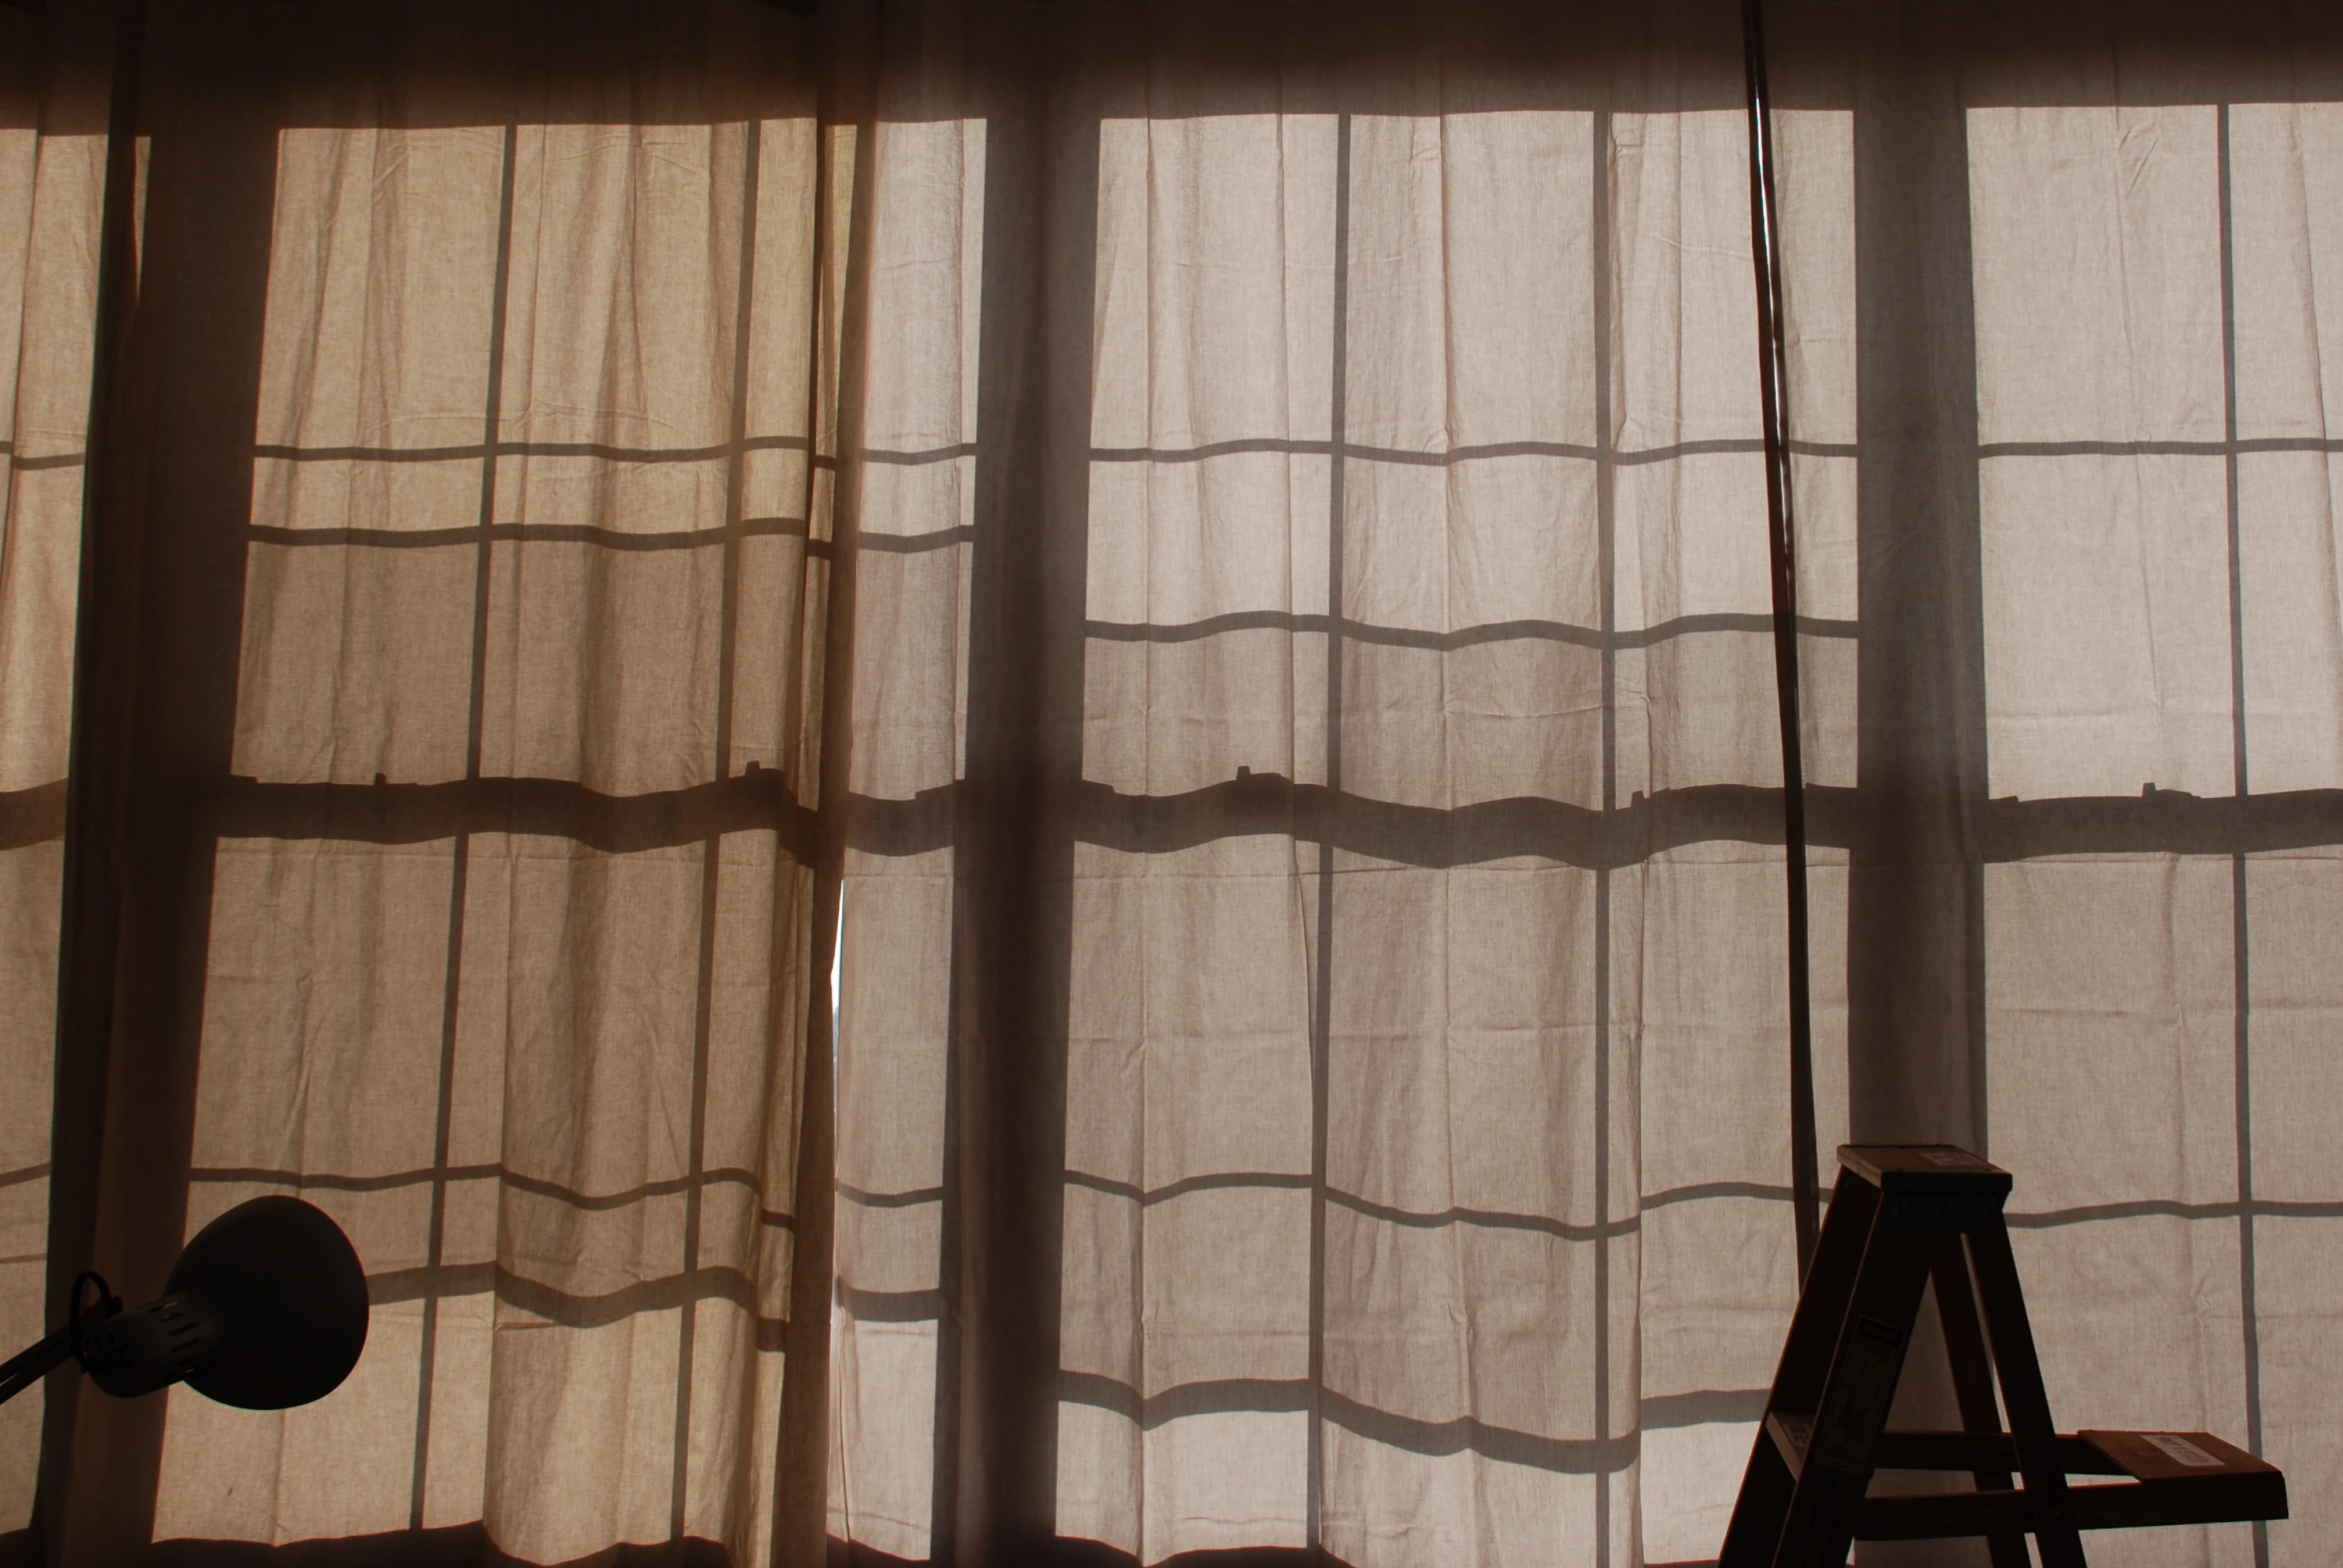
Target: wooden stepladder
[{"x": 1900, "y": 1216}]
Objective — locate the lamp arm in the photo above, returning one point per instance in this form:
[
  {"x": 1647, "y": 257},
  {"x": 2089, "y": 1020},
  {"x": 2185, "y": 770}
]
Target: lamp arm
[{"x": 28, "y": 1366}]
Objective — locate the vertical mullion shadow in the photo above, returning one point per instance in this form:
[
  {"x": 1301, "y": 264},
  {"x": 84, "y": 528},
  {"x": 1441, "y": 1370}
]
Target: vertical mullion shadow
[
  {"x": 2240, "y": 937},
  {"x": 210, "y": 201},
  {"x": 1606, "y": 573},
  {"x": 846, "y": 98},
  {"x": 459, "y": 873},
  {"x": 1917, "y": 1062},
  {"x": 1322, "y": 993},
  {"x": 88, "y": 803},
  {"x": 997, "y": 1353},
  {"x": 712, "y": 848}
]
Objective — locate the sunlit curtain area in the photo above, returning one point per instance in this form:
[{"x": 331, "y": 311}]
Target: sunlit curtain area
[{"x": 1001, "y": 781}]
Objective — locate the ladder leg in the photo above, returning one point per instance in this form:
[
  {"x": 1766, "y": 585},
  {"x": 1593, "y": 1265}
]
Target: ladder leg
[
  {"x": 2022, "y": 1390},
  {"x": 1822, "y": 1304},
  {"x": 1973, "y": 1379},
  {"x": 1854, "y": 1409},
  {"x": 1763, "y": 1501},
  {"x": 1760, "y": 1509}
]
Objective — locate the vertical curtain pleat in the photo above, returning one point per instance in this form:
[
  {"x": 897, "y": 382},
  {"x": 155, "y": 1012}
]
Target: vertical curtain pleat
[
  {"x": 52, "y": 175},
  {"x": 490, "y": 462},
  {"x": 1316, "y": 904}
]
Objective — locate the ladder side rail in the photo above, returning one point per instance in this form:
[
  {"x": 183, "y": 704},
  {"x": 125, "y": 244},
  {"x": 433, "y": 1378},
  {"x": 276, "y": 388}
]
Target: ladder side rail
[
  {"x": 1864, "y": 1373},
  {"x": 2020, "y": 1372},
  {"x": 1764, "y": 1500},
  {"x": 1973, "y": 1380}
]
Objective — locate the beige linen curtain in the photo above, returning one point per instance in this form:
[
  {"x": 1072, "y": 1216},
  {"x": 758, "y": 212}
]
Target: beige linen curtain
[
  {"x": 1217, "y": 553},
  {"x": 479, "y": 398},
  {"x": 1310, "y": 1064},
  {"x": 2095, "y": 888}
]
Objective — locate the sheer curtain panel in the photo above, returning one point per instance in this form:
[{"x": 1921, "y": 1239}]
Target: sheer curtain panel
[
  {"x": 476, "y": 435},
  {"x": 1204, "y": 567}
]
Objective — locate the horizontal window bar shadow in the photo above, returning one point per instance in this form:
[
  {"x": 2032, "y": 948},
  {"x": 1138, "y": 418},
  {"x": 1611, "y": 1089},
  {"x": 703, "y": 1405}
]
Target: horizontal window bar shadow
[
  {"x": 602, "y": 451},
  {"x": 888, "y": 1307},
  {"x": 1438, "y": 1440},
  {"x": 1703, "y": 1407},
  {"x": 1267, "y": 803},
  {"x": 385, "y": 813},
  {"x": 891, "y": 459},
  {"x": 2159, "y": 821},
  {"x": 569, "y": 1310},
  {"x": 2164, "y": 822},
  {"x": 32, "y": 816},
  {"x": 913, "y": 543},
  {"x": 1412, "y": 457},
  {"x": 1431, "y": 836},
  {"x": 1464, "y": 637},
  {"x": 474, "y": 450},
  {"x": 1211, "y": 1181},
  {"x": 27, "y": 1173},
  {"x": 62, "y": 460},
  {"x": 528, "y": 533},
  {"x": 2169, "y": 1208},
  {"x": 1272, "y": 1181},
  {"x": 467, "y": 1546},
  {"x": 912, "y": 1198},
  {"x": 2245, "y": 446},
  {"x": 536, "y": 1187}
]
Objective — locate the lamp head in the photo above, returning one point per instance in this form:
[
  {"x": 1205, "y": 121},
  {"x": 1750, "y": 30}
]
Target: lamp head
[{"x": 264, "y": 1309}]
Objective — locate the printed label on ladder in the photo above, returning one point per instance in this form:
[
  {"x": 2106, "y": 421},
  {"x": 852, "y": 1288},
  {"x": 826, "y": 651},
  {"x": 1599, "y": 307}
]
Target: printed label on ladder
[
  {"x": 1873, "y": 1355},
  {"x": 2179, "y": 1450}
]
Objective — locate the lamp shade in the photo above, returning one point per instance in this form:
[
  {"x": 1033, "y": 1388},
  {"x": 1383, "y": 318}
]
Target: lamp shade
[{"x": 289, "y": 1298}]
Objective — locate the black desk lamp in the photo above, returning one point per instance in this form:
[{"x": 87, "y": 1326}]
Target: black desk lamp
[{"x": 264, "y": 1309}]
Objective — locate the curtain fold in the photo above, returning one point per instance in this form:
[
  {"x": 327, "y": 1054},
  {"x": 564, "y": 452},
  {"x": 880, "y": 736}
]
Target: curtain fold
[
  {"x": 488, "y": 414},
  {"x": 53, "y": 106},
  {"x": 1313, "y": 959},
  {"x": 1212, "y": 560}
]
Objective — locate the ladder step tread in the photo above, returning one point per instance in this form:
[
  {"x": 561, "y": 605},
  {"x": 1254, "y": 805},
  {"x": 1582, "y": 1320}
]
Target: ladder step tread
[
  {"x": 1931, "y": 1168},
  {"x": 2175, "y": 1456},
  {"x": 2118, "y": 1506},
  {"x": 1951, "y": 1450}
]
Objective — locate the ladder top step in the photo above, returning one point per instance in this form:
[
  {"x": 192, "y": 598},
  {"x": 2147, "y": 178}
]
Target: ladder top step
[{"x": 1933, "y": 1167}]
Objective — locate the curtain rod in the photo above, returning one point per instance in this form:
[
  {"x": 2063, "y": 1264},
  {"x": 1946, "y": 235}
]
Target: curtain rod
[{"x": 1774, "y": 376}]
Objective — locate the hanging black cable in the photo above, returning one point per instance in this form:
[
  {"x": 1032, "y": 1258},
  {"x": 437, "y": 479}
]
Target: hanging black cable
[{"x": 1773, "y": 379}]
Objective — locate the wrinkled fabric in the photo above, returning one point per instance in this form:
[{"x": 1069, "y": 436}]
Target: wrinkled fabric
[
  {"x": 1217, "y": 555},
  {"x": 481, "y": 373}
]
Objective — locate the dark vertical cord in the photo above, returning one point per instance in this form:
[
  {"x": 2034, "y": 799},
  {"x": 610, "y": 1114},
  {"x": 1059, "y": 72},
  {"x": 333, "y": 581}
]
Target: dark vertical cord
[
  {"x": 1606, "y": 577},
  {"x": 1322, "y": 1023},
  {"x": 2242, "y": 953},
  {"x": 1773, "y": 379}
]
